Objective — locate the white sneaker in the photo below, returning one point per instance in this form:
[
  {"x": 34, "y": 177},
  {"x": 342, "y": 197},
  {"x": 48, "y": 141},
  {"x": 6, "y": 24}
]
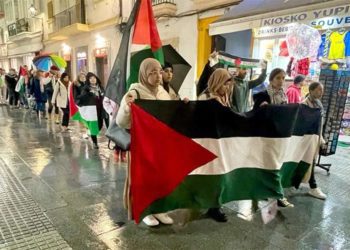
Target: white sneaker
[
  {"x": 317, "y": 193},
  {"x": 164, "y": 218},
  {"x": 150, "y": 221}
]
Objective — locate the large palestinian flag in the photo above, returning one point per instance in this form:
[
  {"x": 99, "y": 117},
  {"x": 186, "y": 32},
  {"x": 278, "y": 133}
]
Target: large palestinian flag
[
  {"x": 139, "y": 34},
  {"x": 202, "y": 155},
  {"x": 86, "y": 113}
]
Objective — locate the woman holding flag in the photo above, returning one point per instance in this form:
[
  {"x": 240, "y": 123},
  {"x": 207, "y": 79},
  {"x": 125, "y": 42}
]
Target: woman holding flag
[
  {"x": 87, "y": 107},
  {"x": 149, "y": 88},
  {"x": 220, "y": 86}
]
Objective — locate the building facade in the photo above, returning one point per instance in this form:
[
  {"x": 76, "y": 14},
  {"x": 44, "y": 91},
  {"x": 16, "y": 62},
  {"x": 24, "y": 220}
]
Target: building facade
[
  {"x": 87, "y": 33},
  {"x": 21, "y": 32}
]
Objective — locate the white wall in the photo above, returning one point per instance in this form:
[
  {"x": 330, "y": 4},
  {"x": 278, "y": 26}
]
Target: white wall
[
  {"x": 185, "y": 30},
  {"x": 112, "y": 39},
  {"x": 101, "y": 11}
]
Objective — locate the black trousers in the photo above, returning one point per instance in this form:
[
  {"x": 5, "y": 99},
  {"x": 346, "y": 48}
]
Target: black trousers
[
  {"x": 65, "y": 118},
  {"x": 312, "y": 181},
  {"x": 100, "y": 125},
  {"x": 51, "y": 107},
  {"x": 13, "y": 96}
]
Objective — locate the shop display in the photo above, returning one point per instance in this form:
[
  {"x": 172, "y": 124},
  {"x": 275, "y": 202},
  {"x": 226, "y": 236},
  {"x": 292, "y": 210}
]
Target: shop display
[
  {"x": 347, "y": 44},
  {"x": 337, "y": 45},
  {"x": 336, "y": 85},
  {"x": 345, "y": 127},
  {"x": 298, "y": 67},
  {"x": 303, "y": 41}
]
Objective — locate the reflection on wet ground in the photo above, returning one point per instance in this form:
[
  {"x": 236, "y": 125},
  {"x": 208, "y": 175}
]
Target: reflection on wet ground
[{"x": 80, "y": 190}]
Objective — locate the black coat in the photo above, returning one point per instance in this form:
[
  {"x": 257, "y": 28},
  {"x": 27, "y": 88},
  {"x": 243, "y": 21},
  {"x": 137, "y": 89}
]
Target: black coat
[
  {"x": 261, "y": 97},
  {"x": 11, "y": 81}
]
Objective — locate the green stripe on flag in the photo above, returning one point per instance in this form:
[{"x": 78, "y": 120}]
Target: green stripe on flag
[
  {"x": 91, "y": 125},
  {"x": 159, "y": 55},
  {"x": 206, "y": 191},
  {"x": 136, "y": 60}
]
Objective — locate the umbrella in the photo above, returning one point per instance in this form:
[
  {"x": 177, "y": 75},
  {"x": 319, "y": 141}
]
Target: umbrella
[
  {"x": 180, "y": 65},
  {"x": 44, "y": 62}
]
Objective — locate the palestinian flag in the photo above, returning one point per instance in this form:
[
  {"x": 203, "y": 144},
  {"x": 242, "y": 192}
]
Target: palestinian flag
[
  {"x": 139, "y": 34},
  {"x": 202, "y": 155},
  {"x": 86, "y": 114}
]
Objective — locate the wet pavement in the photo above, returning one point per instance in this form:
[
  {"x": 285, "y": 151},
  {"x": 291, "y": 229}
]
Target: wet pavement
[{"x": 57, "y": 192}]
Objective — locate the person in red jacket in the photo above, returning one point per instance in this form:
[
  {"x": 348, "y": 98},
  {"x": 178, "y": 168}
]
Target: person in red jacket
[{"x": 294, "y": 91}]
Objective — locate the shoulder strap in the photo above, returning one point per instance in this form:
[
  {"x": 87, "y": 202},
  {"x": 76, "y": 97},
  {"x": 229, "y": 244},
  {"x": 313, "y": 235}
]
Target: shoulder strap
[{"x": 137, "y": 93}]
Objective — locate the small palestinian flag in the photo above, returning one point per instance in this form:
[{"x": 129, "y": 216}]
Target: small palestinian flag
[
  {"x": 202, "y": 155},
  {"x": 86, "y": 114},
  {"x": 139, "y": 34}
]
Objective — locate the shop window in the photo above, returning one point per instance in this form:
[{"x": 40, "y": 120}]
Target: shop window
[
  {"x": 82, "y": 59},
  {"x": 101, "y": 59}
]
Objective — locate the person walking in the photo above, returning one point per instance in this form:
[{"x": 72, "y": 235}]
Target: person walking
[
  {"x": 92, "y": 93},
  {"x": 60, "y": 98},
  {"x": 220, "y": 87},
  {"x": 148, "y": 88},
  {"x": 275, "y": 92},
  {"x": 78, "y": 85},
  {"x": 50, "y": 83},
  {"x": 11, "y": 81},
  {"x": 38, "y": 91},
  {"x": 21, "y": 86},
  {"x": 240, "y": 95},
  {"x": 313, "y": 100},
  {"x": 294, "y": 90},
  {"x": 274, "y": 95}
]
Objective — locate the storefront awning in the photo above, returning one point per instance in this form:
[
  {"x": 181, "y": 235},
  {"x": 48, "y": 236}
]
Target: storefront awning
[{"x": 249, "y": 13}]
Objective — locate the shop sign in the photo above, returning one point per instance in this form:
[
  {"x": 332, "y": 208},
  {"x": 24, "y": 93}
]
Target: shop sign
[
  {"x": 340, "y": 11},
  {"x": 100, "y": 52},
  {"x": 81, "y": 55},
  {"x": 330, "y": 18}
]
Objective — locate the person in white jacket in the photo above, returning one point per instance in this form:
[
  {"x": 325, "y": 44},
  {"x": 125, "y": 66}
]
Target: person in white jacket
[
  {"x": 60, "y": 98},
  {"x": 149, "y": 88}
]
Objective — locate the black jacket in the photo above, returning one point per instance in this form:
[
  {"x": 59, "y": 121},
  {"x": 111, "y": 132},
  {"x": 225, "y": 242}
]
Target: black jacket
[
  {"x": 261, "y": 97},
  {"x": 11, "y": 81}
]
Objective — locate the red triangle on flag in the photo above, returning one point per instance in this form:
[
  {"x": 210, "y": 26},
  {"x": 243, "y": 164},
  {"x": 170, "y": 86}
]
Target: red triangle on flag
[
  {"x": 145, "y": 29},
  {"x": 73, "y": 109},
  {"x": 161, "y": 158}
]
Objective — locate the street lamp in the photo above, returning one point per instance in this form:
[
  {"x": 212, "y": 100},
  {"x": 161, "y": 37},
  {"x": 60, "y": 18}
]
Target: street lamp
[{"x": 33, "y": 12}]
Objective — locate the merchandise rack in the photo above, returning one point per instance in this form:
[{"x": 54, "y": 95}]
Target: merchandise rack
[{"x": 336, "y": 84}]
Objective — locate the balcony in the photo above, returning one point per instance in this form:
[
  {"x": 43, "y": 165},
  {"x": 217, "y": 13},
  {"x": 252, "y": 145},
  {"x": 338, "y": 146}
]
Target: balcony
[
  {"x": 25, "y": 28},
  {"x": 164, "y": 8},
  {"x": 207, "y": 4},
  {"x": 68, "y": 23}
]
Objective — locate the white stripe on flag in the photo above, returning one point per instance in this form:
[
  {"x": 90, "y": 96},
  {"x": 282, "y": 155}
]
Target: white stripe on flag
[
  {"x": 256, "y": 152},
  {"x": 88, "y": 113}
]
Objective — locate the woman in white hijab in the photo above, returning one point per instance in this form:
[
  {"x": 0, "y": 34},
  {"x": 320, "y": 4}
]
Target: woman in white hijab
[{"x": 149, "y": 88}]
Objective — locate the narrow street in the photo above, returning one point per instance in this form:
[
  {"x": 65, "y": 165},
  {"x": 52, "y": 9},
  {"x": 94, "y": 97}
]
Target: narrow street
[{"x": 57, "y": 192}]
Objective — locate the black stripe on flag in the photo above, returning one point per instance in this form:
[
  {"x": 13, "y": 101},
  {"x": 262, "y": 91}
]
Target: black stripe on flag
[
  {"x": 116, "y": 85},
  {"x": 209, "y": 119}
]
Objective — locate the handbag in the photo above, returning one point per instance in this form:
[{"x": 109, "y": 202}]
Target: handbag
[{"x": 120, "y": 136}]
